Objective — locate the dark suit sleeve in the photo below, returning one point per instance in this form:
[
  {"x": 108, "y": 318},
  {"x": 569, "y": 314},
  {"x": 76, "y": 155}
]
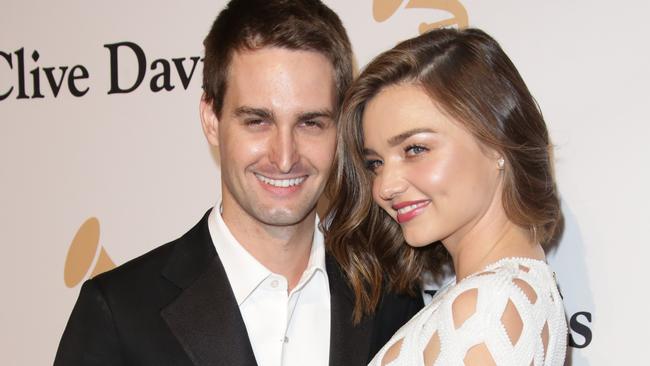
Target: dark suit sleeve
[
  {"x": 90, "y": 336},
  {"x": 393, "y": 312}
]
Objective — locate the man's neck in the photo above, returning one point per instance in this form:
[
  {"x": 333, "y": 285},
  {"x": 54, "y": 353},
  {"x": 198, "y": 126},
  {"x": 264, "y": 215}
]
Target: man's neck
[{"x": 284, "y": 250}]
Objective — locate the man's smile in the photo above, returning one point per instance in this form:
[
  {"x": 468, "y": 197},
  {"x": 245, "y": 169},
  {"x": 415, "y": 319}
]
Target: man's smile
[{"x": 281, "y": 183}]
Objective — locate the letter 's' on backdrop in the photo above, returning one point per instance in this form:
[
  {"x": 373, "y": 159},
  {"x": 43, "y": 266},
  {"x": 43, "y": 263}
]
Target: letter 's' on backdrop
[{"x": 102, "y": 156}]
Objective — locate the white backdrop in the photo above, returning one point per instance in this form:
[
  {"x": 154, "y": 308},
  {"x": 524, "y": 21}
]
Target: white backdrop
[{"x": 137, "y": 165}]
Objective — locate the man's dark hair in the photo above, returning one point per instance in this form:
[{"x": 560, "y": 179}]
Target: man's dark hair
[{"x": 306, "y": 25}]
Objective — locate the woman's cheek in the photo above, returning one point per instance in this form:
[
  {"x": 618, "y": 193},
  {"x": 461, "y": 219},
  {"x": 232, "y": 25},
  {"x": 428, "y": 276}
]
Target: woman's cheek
[{"x": 430, "y": 175}]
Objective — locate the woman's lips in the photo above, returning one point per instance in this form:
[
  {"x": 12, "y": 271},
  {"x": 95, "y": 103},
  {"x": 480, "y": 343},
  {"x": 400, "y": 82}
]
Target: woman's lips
[{"x": 408, "y": 210}]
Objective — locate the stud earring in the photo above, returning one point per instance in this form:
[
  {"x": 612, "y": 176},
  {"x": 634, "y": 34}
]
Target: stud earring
[{"x": 501, "y": 163}]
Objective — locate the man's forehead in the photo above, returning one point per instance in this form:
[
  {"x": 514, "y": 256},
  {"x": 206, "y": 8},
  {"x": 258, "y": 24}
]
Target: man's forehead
[
  {"x": 280, "y": 80},
  {"x": 245, "y": 52},
  {"x": 253, "y": 62}
]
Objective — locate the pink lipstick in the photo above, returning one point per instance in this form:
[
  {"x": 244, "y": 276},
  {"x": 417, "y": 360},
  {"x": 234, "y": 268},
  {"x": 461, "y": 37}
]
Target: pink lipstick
[{"x": 407, "y": 211}]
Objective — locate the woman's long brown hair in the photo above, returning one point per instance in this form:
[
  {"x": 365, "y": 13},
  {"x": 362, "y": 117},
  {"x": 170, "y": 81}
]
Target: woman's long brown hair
[{"x": 470, "y": 77}]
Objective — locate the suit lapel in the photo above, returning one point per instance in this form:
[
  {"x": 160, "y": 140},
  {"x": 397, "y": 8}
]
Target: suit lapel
[
  {"x": 205, "y": 317},
  {"x": 349, "y": 344},
  {"x": 206, "y": 320}
]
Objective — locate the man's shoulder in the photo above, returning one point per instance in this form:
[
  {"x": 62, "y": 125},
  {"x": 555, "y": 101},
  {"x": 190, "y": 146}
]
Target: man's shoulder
[
  {"x": 152, "y": 261},
  {"x": 189, "y": 251},
  {"x": 398, "y": 307},
  {"x": 393, "y": 311}
]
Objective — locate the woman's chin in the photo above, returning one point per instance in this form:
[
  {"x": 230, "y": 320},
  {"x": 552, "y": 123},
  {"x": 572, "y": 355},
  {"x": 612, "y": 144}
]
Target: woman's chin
[{"x": 419, "y": 242}]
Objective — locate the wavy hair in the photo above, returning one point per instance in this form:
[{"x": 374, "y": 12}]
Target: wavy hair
[{"x": 470, "y": 77}]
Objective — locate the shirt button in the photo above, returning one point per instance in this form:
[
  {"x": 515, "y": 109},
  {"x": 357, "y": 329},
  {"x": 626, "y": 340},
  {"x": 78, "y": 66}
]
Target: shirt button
[{"x": 275, "y": 283}]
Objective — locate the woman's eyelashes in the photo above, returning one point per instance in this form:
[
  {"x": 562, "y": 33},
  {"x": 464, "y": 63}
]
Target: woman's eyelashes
[
  {"x": 414, "y": 150},
  {"x": 410, "y": 151},
  {"x": 373, "y": 164}
]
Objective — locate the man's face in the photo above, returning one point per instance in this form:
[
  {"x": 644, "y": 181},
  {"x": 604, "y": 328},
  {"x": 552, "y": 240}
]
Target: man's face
[{"x": 276, "y": 134}]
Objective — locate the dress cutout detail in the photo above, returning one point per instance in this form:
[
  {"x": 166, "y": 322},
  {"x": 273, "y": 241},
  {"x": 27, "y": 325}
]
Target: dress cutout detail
[{"x": 505, "y": 283}]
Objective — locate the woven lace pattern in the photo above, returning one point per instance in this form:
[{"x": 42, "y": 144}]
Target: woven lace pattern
[{"x": 497, "y": 286}]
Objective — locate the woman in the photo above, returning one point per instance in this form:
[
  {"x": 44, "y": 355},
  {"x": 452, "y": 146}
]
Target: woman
[{"x": 443, "y": 135}]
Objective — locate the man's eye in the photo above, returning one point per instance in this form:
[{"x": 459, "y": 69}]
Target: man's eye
[
  {"x": 415, "y": 150},
  {"x": 373, "y": 165},
  {"x": 254, "y": 122},
  {"x": 313, "y": 123}
]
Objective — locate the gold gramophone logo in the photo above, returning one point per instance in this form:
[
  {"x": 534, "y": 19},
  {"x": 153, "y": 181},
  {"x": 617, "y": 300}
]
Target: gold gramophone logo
[
  {"x": 85, "y": 253},
  {"x": 384, "y": 9}
]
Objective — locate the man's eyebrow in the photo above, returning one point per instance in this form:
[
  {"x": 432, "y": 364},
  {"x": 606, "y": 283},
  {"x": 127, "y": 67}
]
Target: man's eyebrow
[
  {"x": 259, "y": 112},
  {"x": 326, "y": 113},
  {"x": 398, "y": 139}
]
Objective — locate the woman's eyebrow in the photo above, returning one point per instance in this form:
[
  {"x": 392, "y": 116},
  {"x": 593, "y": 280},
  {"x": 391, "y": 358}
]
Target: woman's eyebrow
[{"x": 398, "y": 139}]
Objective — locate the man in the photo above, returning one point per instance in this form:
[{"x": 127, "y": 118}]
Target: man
[{"x": 251, "y": 283}]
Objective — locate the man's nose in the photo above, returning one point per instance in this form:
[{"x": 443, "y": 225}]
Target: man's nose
[{"x": 284, "y": 150}]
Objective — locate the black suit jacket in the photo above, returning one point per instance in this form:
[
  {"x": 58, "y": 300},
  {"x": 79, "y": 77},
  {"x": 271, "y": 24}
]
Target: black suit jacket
[{"x": 174, "y": 306}]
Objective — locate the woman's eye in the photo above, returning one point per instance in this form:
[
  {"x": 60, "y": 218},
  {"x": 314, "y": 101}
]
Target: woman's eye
[
  {"x": 373, "y": 165},
  {"x": 415, "y": 150}
]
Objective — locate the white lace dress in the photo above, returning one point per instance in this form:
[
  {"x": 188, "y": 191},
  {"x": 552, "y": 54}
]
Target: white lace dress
[{"x": 501, "y": 284}]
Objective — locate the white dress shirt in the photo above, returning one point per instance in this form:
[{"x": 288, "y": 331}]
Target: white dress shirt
[{"x": 285, "y": 329}]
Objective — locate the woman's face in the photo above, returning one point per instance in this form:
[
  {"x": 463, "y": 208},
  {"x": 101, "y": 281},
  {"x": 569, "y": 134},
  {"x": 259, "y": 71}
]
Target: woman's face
[{"x": 430, "y": 174}]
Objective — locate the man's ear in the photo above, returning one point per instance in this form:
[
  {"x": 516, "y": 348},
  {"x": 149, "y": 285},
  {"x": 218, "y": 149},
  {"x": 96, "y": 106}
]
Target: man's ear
[{"x": 209, "y": 121}]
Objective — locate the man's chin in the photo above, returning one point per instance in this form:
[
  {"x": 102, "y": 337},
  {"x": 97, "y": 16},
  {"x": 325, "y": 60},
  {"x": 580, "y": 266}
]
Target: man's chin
[{"x": 284, "y": 217}]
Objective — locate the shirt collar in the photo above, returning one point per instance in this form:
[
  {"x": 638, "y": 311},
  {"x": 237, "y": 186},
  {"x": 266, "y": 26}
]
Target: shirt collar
[
  {"x": 245, "y": 273},
  {"x": 316, "y": 263}
]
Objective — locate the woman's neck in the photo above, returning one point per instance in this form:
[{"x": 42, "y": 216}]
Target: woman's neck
[{"x": 489, "y": 242}]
